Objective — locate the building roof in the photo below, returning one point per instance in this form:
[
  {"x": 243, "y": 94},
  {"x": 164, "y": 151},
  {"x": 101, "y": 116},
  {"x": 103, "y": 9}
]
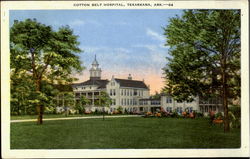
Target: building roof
[
  {"x": 99, "y": 83},
  {"x": 131, "y": 83}
]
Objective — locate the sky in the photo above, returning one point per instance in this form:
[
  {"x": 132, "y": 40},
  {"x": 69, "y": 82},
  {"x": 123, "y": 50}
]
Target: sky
[{"x": 124, "y": 41}]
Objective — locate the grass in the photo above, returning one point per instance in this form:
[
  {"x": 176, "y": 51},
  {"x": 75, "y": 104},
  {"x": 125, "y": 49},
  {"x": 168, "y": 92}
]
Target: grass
[{"x": 122, "y": 133}]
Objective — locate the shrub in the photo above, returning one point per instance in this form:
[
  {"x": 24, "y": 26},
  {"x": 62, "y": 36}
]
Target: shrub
[
  {"x": 49, "y": 110},
  {"x": 175, "y": 115},
  {"x": 219, "y": 115},
  {"x": 119, "y": 109},
  {"x": 235, "y": 110},
  {"x": 199, "y": 115},
  {"x": 234, "y": 116}
]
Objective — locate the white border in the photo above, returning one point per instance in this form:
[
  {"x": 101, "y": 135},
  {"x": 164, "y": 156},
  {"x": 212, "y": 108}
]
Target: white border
[{"x": 110, "y": 153}]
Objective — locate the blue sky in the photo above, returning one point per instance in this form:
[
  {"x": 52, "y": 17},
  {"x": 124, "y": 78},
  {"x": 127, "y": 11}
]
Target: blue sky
[{"x": 124, "y": 41}]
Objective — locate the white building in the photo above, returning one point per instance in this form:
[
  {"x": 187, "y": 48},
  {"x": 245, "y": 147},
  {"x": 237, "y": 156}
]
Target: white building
[
  {"x": 123, "y": 92},
  {"x": 133, "y": 95}
]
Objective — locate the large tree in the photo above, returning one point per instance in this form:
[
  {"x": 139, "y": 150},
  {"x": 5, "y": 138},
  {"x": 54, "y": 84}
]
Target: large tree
[
  {"x": 204, "y": 56},
  {"x": 44, "y": 54}
]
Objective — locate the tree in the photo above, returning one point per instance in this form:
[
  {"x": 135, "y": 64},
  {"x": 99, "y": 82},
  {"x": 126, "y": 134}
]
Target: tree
[
  {"x": 45, "y": 54},
  {"x": 84, "y": 101},
  {"x": 156, "y": 95},
  {"x": 69, "y": 101},
  {"x": 205, "y": 56},
  {"x": 21, "y": 88},
  {"x": 105, "y": 101}
]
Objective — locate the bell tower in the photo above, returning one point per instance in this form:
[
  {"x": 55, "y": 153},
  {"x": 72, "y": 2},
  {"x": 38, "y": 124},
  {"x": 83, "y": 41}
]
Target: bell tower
[{"x": 95, "y": 71}]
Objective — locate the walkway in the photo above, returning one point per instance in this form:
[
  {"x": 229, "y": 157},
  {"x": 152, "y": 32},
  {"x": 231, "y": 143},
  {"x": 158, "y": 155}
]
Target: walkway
[{"x": 70, "y": 118}]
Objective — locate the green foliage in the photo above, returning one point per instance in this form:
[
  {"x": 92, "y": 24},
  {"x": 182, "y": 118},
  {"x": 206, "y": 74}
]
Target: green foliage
[
  {"x": 119, "y": 109},
  {"x": 234, "y": 116},
  {"x": 204, "y": 46},
  {"x": 21, "y": 93},
  {"x": 105, "y": 100},
  {"x": 236, "y": 110},
  {"x": 84, "y": 101},
  {"x": 38, "y": 49},
  {"x": 156, "y": 95},
  {"x": 219, "y": 115},
  {"x": 40, "y": 58}
]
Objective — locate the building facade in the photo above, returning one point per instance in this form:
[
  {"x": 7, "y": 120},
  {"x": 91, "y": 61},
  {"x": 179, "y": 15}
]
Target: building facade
[{"x": 133, "y": 95}]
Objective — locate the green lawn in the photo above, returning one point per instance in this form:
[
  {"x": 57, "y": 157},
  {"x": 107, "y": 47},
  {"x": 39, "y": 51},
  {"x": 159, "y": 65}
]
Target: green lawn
[{"x": 122, "y": 133}]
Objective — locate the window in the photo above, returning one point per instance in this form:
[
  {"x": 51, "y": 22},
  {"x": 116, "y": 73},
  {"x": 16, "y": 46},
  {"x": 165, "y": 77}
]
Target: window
[
  {"x": 214, "y": 108},
  {"x": 189, "y": 109},
  {"x": 130, "y": 92},
  {"x": 135, "y": 92},
  {"x": 169, "y": 109},
  {"x": 110, "y": 92},
  {"x": 90, "y": 87},
  {"x": 201, "y": 109},
  {"x": 122, "y": 92},
  {"x": 179, "y": 109},
  {"x": 127, "y": 101},
  {"x": 141, "y": 102},
  {"x": 206, "y": 108},
  {"x": 114, "y": 92},
  {"x": 131, "y": 102},
  {"x": 168, "y": 100}
]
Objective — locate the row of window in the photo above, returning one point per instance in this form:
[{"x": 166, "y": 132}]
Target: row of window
[
  {"x": 153, "y": 102},
  {"x": 126, "y": 92},
  {"x": 169, "y": 100},
  {"x": 128, "y": 102},
  {"x": 76, "y": 88},
  {"x": 207, "y": 108},
  {"x": 130, "y": 92},
  {"x": 112, "y": 92}
]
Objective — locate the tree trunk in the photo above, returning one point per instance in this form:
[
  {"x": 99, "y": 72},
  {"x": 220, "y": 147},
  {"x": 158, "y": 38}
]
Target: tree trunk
[
  {"x": 39, "y": 106},
  {"x": 225, "y": 101}
]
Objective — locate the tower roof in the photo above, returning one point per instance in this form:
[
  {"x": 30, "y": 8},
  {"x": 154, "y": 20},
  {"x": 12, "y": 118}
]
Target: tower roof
[{"x": 95, "y": 61}]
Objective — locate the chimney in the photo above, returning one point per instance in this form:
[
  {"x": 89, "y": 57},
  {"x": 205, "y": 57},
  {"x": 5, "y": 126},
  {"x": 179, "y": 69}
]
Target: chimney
[{"x": 129, "y": 77}]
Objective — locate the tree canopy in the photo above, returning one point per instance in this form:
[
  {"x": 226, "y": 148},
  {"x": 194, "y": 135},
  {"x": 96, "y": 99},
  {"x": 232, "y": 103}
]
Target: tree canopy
[
  {"x": 204, "y": 55},
  {"x": 44, "y": 54}
]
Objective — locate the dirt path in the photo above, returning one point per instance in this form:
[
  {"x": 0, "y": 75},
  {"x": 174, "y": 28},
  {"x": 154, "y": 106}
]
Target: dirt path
[{"x": 70, "y": 118}]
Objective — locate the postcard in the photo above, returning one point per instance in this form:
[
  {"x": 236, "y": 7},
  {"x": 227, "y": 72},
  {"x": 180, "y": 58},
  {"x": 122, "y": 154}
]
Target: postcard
[{"x": 111, "y": 79}]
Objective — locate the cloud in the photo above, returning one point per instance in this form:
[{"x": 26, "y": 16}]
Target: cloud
[
  {"x": 154, "y": 35},
  {"x": 93, "y": 22},
  {"x": 77, "y": 22}
]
